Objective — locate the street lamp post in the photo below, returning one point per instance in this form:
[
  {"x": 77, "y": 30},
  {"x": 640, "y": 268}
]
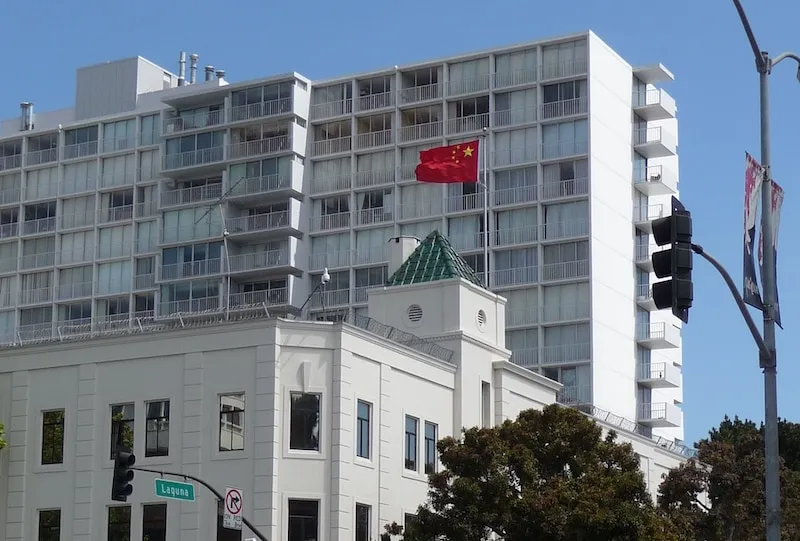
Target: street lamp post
[{"x": 768, "y": 359}]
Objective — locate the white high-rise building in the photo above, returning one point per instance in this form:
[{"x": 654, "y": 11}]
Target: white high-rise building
[{"x": 162, "y": 194}]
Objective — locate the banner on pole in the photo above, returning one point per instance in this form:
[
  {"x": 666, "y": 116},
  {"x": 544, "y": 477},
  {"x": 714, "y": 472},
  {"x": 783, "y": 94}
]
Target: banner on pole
[
  {"x": 753, "y": 178},
  {"x": 776, "y": 200}
]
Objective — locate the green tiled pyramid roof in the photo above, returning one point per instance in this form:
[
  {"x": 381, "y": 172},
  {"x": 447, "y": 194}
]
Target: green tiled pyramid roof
[{"x": 434, "y": 259}]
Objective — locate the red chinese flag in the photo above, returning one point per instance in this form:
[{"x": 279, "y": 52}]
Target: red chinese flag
[{"x": 448, "y": 165}]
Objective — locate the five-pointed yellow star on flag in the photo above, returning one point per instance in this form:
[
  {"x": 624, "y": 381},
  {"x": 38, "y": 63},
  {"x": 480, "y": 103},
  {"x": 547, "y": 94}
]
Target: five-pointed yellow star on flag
[{"x": 468, "y": 151}]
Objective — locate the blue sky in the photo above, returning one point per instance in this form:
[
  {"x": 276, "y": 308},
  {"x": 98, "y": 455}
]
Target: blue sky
[{"x": 700, "y": 41}]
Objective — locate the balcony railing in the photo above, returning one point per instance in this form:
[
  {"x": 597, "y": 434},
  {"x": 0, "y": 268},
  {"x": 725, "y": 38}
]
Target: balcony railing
[
  {"x": 331, "y": 108},
  {"x": 564, "y": 188},
  {"x": 466, "y": 124},
  {"x": 421, "y": 209},
  {"x": 370, "y": 255},
  {"x": 111, "y": 179},
  {"x": 193, "y": 158},
  {"x": 514, "y": 156},
  {"x": 145, "y": 209},
  {"x": 565, "y": 271},
  {"x": 467, "y": 241},
  {"x": 514, "y": 117},
  {"x": 330, "y": 260},
  {"x": 36, "y": 296},
  {"x": 516, "y": 77},
  {"x": 647, "y": 213},
  {"x": 376, "y": 101},
  {"x": 522, "y": 317},
  {"x": 188, "y": 306},
  {"x": 563, "y": 68},
  {"x": 115, "y": 214},
  {"x": 260, "y": 185},
  {"x": 42, "y": 225},
  {"x": 77, "y": 219},
  {"x": 520, "y": 235},
  {"x": 269, "y": 145},
  {"x": 466, "y": 202},
  {"x": 192, "y": 194},
  {"x": 567, "y": 353},
  {"x": 257, "y": 222},
  {"x": 331, "y": 184},
  {"x": 513, "y": 277},
  {"x": 558, "y": 312},
  {"x": 190, "y": 269},
  {"x": 259, "y": 260},
  {"x": 515, "y": 196},
  {"x": 117, "y": 144},
  {"x": 38, "y": 157},
  {"x": 10, "y": 162},
  {"x": 144, "y": 281},
  {"x": 416, "y": 132},
  {"x": 420, "y": 93},
  {"x": 260, "y": 109},
  {"x": 35, "y": 261},
  {"x": 468, "y": 86},
  {"x": 564, "y": 230},
  {"x": 332, "y": 146},
  {"x": 194, "y": 121},
  {"x": 562, "y": 108},
  {"x": 574, "y": 394},
  {"x": 375, "y": 215},
  {"x": 268, "y": 297},
  {"x": 337, "y": 220},
  {"x": 374, "y": 139},
  {"x": 338, "y": 297},
  {"x": 9, "y": 230},
  {"x": 563, "y": 149},
  {"x": 74, "y": 291},
  {"x": 80, "y": 150}
]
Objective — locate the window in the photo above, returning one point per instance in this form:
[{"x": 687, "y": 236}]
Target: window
[
  {"x": 231, "y": 422},
  {"x": 363, "y": 420},
  {"x": 304, "y": 422},
  {"x": 119, "y": 523},
  {"x": 154, "y": 522},
  {"x": 431, "y": 430},
  {"x": 157, "y": 428},
  {"x": 303, "y": 520},
  {"x": 412, "y": 426},
  {"x": 409, "y": 522},
  {"x": 50, "y": 525},
  {"x": 122, "y": 416},
  {"x": 53, "y": 437},
  {"x": 362, "y": 522}
]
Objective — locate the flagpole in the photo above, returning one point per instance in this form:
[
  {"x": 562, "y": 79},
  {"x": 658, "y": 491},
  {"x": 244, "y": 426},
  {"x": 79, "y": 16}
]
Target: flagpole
[{"x": 484, "y": 144}]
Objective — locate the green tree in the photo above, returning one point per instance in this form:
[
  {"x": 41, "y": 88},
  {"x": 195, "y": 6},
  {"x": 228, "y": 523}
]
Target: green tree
[
  {"x": 2, "y": 436},
  {"x": 719, "y": 495},
  {"x": 548, "y": 474}
]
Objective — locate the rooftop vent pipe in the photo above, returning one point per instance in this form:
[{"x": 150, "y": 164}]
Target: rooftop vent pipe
[
  {"x": 209, "y": 73},
  {"x": 220, "y": 74},
  {"x": 182, "y": 69},
  {"x": 26, "y": 116},
  {"x": 193, "y": 68}
]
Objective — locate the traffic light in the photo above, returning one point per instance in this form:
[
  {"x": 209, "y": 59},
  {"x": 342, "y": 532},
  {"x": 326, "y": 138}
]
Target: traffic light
[
  {"x": 123, "y": 474},
  {"x": 676, "y": 263}
]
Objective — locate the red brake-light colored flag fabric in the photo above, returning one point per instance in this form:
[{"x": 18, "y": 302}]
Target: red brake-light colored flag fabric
[{"x": 450, "y": 164}]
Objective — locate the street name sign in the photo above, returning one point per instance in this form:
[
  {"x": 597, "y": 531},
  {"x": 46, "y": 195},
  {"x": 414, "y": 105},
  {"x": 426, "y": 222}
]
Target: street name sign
[{"x": 175, "y": 490}]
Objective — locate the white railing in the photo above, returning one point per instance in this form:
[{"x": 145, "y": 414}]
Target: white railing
[
  {"x": 515, "y": 77},
  {"x": 193, "y": 158},
  {"x": 558, "y": 312},
  {"x": 564, "y": 188},
  {"x": 194, "y": 121},
  {"x": 562, "y": 108},
  {"x": 331, "y": 109},
  {"x": 370, "y": 255},
  {"x": 562, "y": 149},
  {"x": 520, "y": 235},
  {"x": 467, "y": 241},
  {"x": 269, "y": 297},
  {"x": 376, "y": 101},
  {"x": 36, "y": 296},
  {"x": 115, "y": 214},
  {"x": 515, "y": 196},
  {"x": 575, "y": 394},
  {"x": 269, "y": 145},
  {"x": 421, "y": 93},
  {"x": 38, "y": 157},
  {"x": 469, "y": 86},
  {"x": 193, "y": 305},
  {"x": 564, "y": 230},
  {"x": 331, "y": 184},
  {"x": 332, "y": 146},
  {"x": 375, "y": 215},
  {"x": 260, "y": 109},
  {"x": 514, "y": 117},
  {"x": 567, "y": 353},
  {"x": 79, "y": 150},
  {"x": 565, "y": 271},
  {"x": 9, "y": 230},
  {"x": 468, "y": 123},
  {"x": 74, "y": 291},
  {"x": 513, "y": 277},
  {"x": 428, "y": 130},
  {"x": 374, "y": 139},
  {"x": 461, "y": 203},
  {"x": 647, "y": 213},
  {"x": 364, "y": 179},
  {"x": 147, "y": 208},
  {"x": 189, "y": 269},
  {"x": 259, "y": 185},
  {"x": 643, "y": 136},
  {"x": 118, "y": 144},
  {"x": 421, "y": 209},
  {"x": 522, "y": 317},
  {"x": 336, "y": 220},
  {"x": 563, "y": 68},
  {"x": 110, "y": 179},
  {"x": 144, "y": 281},
  {"x": 329, "y": 260},
  {"x": 42, "y": 225},
  {"x": 191, "y": 194},
  {"x": 259, "y": 260},
  {"x": 337, "y": 297},
  {"x": 257, "y": 222},
  {"x": 77, "y": 219},
  {"x": 514, "y": 156},
  {"x": 10, "y": 162}
]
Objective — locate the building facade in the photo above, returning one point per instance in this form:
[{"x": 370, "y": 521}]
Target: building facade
[
  {"x": 328, "y": 429},
  {"x": 152, "y": 197}
]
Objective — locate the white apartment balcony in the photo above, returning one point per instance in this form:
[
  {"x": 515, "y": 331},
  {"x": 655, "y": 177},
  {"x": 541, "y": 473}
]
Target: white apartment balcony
[
  {"x": 654, "y": 142},
  {"x": 371, "y": 255},
  {"x": 330, "y": 299},
  {"x": 523, "y": 76},
  {"x": 36, "y": 296},
  {"x": 467, "y": 124},
  {"x": 660, "y": 335},
  {"x": 257, "y": 190},
  {"x": 407, "y": 171},
  {"x": 255, "y": 263},
  {"x": 332, "y": 260},
  {"x": 35, "y": 331},
  {"x": 656, "y": 180},
  {"x": 643, "y": 216},
  {"x": 117, "y": 144},
  {"x": 563, "y": 108},
  {"x": 144, "y": 281},
  {"x": 559, "y": 313},
  {"x": 193, "y": 161},
  {"x": 39, "y": 157},
  {"x": 514, "y": 117},
  {"x": 574, "y": 395},
  {"x": 563, "y": 68},
  {"x": 37, "y": 227},
  {"x": 562, "y": 189},
  {"x": 513, "y": 156},
  {"x": 79, "y": 150},
  {"x": 330, "y": 109},
  {"x": 515, "y": 196},
  {"x": 653, "y": 104},
  {"x": 416, "y": 94},
  {"x": 260, "y": 147},
  {"x": 77, "y": 219},
  {"x": 113, "y": 179},
  {"x": 374, "y": 139},
  {"x": 381, "y": 100},
  {"x": 268, "y": 297},
  {"x": 190, "y": 269},
  {"x": 9, "y": 230},
  {"x": 519, "y": 235},
  {"x": 514, "y": 277},
  {"x": 331, "y": 184},
  {"x": 566, "y": 353},
  {"x": 261, "y": 109},
  {"x": 10, "y": 196},
  {"x": 191, "y": 195},
  {"x": 338, "y": 220},
  {"x": 204, "y": 304},
  {"x": 659, "y": 375},
  {"x": 332, "y": 146},
  {"x": 464, "y": 242},
  {"x": 74, "y": 291},
  {"x": 361, "y": 294},
  {"x": 377, "y": 215},
  {"x": 568, "y": 270},
  {"x": 10, "y": 162},
  {"x": 116, "y": 250},
  {"x": 378, "y": 177},
  {"x": 564, "y": 149},
  {"x": 115, "y": 214},
  {"x": 659, "y": 415},
  {"x": 459, "y": 87},
  {"x": 146, "y": 209},
  {"x": 564, "y": 230},
  {"x": 522, "y": 317},
  {"x": 421, "y": 209},
  {"x": 417, "y": 132},
  {"x": 9, "y": 264},
  {"x": 644, "y": 297},
  {"x": 196, "y": 121},
  {"x": 644, "y": 253},
  {"x": 261, "y": 225},
  {"x": 74, "y": 327},
  {"x": 464, "y": 203},
  {"x": 527, "y": 358}
]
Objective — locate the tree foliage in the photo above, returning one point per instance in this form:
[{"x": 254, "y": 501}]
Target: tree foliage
[
  {"x": 548, "y": 474},
  {"x": 2, "y": 436},
  {"x": 719, "y": 496}
]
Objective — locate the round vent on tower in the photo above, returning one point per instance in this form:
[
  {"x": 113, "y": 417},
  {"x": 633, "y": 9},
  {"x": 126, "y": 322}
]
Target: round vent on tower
[
  {"x": 481, "y": 319},
  {"x": 414, "y": 314}
]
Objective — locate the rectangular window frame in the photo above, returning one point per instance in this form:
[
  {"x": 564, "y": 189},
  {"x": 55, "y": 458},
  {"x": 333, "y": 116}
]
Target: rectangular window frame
[
  {"x": 364, "y": 430},
  {"x": 154, "y": 528},
  {"x": 160, "y": 422},
  {"x": 430, "y": 440},
  {"x": 225, "y": 419},
  {"x": 118, "y": 523},
  {"x": 122, "y": 423},
  {"x": 55, "y": 449},
  {"x": 313, "y": 448},
  {"x": 293, "y": 519},
  {"x": 362, "y": 527},
  {"x": 411, "y": 444},
  {"x": 49, "y": 526}
]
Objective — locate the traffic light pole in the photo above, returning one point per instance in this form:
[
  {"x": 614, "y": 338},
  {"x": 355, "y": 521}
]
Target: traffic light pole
[{"x": 219, "y": 496}]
